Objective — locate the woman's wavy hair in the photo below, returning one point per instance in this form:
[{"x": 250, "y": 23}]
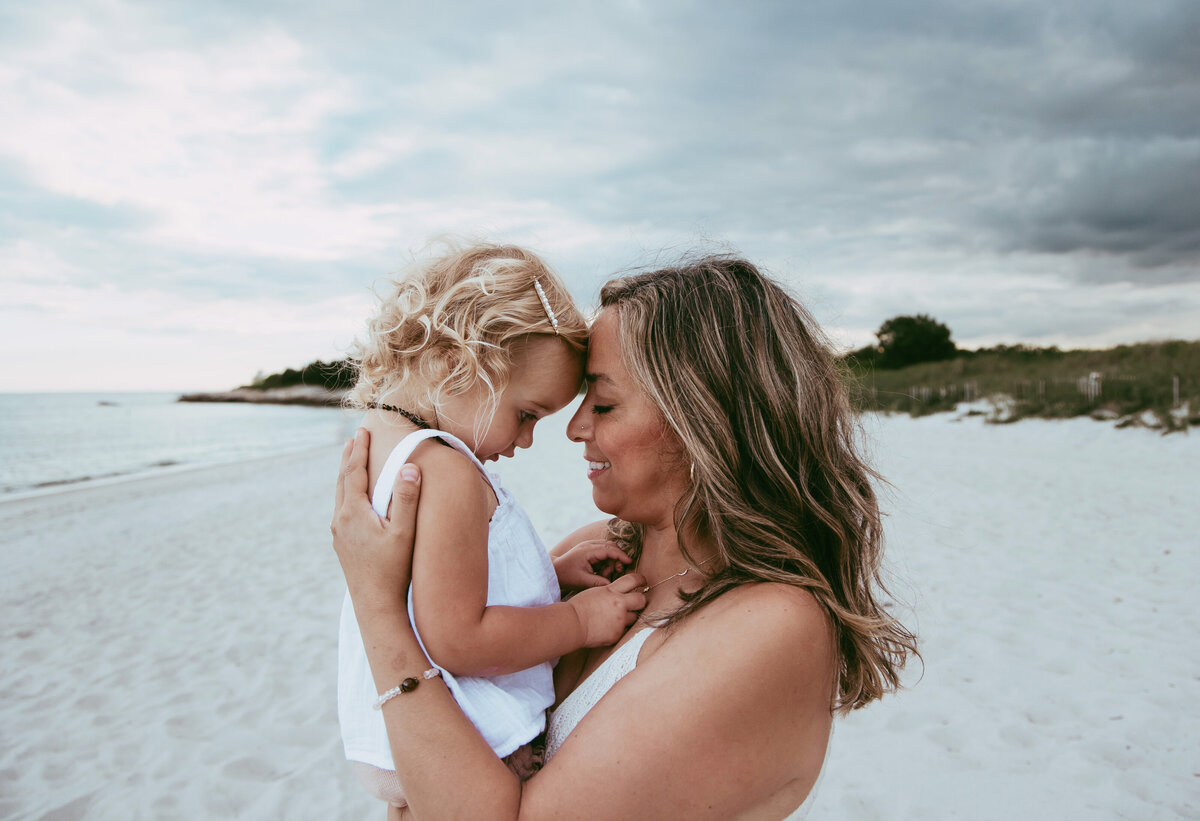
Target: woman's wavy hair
[
  {"x": 449, "y": 321},
  {"x": 744, "y": 378}
]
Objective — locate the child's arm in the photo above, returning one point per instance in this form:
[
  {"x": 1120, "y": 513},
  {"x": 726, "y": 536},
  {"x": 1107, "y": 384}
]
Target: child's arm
[{"x": 450, "y": 581}]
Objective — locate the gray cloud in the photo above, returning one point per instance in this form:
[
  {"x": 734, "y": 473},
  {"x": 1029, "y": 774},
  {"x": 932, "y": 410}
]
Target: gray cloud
[{"x": 886, "y": 158}]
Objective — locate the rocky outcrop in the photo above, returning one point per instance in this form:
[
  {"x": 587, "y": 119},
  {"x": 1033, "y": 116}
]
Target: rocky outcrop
[{"x": 293, "y": 395}]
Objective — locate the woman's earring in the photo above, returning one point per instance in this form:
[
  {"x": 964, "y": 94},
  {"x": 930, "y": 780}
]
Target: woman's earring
[{"x": 692, "y": 473}]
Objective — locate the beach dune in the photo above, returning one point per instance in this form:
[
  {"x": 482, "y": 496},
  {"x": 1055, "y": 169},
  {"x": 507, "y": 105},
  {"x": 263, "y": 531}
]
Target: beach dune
[{"x": 167, "y": 646}]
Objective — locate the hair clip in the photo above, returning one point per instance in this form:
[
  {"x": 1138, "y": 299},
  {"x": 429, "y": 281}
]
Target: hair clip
[{"x": 537, "y": 285}]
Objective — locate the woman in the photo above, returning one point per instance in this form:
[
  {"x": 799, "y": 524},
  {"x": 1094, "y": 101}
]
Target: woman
[{"x": 719, "y": 436}]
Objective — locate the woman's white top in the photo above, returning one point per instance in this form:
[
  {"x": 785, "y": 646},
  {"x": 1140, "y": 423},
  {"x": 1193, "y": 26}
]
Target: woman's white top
[
  {"x": 508, "y": 710},
  {"x": 585, "y": 696}
]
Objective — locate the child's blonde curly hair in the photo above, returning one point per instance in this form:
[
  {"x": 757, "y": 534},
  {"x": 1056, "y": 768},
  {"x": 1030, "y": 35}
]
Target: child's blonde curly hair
[{"x": 449, "y": 322}]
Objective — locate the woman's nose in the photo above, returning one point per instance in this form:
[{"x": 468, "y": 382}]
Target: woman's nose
[{"x": 576, "y": 428}]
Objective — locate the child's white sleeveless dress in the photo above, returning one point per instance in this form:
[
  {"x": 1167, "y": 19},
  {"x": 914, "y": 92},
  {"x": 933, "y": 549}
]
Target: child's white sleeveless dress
[
  {"x": 584, "y": 697},
  {"x": 508, "y": 710}
]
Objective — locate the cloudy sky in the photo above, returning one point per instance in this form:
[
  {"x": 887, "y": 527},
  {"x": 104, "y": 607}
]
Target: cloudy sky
[{"x": 194, "y": 192}]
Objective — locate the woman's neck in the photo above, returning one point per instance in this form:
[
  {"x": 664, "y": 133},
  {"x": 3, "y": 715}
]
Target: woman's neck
[{"x": 666, "y": 570}]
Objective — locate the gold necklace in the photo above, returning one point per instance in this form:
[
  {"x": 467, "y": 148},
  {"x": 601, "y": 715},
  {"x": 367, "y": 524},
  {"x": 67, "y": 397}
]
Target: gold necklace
[{"x": 678, "y": 575}]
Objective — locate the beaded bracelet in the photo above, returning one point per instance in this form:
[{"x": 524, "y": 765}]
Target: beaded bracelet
[{"x": 407, "y": 686}]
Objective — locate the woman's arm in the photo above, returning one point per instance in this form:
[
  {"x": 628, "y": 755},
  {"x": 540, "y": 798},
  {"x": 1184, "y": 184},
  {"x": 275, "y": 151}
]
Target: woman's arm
[
  {"x": 726, "y": 715},
  {"x": 429, "y": 733},
  {"x": 587, "y": 533},
  {"x": 450, "y": 585}
]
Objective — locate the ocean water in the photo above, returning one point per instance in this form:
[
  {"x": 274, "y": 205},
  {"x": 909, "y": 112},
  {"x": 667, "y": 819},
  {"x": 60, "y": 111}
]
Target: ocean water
[{"x": 59, "y": 439}]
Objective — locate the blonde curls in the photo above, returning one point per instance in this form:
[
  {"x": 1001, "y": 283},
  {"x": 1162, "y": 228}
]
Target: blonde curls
[{"x": 448, "y": 323}]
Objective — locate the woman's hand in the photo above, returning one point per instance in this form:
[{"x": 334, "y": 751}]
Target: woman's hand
[
  {"x": 591, "y": 563},
  {"x": 375, "y": 554}
]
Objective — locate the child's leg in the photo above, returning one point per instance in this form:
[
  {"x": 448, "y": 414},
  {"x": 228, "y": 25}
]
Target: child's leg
[{"x": 381, "y": 784}]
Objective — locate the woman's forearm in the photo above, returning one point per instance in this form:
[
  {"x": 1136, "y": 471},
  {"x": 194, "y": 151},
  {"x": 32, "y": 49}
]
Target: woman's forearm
[
  {"x": 446, "y": 767},
  {"x": 444, "y": 764}
]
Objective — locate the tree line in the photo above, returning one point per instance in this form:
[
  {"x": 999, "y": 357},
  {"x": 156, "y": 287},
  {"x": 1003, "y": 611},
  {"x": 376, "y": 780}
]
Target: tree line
[{"x": 335, "y": 376}]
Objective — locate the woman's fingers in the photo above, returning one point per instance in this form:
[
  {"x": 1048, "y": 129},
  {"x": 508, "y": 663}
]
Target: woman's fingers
[
  {"x": 339, "y": 490},
  {"x": 354, "y": 471},
  {"x": 352, "y": 482},
  {"x": 406, "y": 495}
]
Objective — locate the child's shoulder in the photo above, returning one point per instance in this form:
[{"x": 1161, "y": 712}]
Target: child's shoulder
[
  {"x": 435, "y": 456},
  {"x": 441, "y": 464},
  {"x": 446, "y": 469}
]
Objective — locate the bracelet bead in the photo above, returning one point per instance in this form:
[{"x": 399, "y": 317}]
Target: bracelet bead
[{"x": 406, "y": 686}]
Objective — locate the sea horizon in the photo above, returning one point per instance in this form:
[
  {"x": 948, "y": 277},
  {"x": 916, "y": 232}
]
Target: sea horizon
[{"x": 60, "y": 439}]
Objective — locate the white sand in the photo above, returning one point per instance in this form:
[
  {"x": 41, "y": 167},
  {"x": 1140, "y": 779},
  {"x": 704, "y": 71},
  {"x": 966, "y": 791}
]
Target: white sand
[
  {"x": 169, "y": 649},
  {"x": 167, "y": 645},
  {"x": 1053, "y": 568}
]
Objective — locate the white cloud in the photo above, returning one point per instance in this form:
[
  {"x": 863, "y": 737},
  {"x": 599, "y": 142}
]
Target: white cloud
[
  {"x": 218, "y": 142},
  {"x": 946, "y": 159}
]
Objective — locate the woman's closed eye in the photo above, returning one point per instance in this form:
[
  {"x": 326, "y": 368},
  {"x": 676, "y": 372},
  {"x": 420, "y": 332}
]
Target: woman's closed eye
[{"x": 600, "y": 410}]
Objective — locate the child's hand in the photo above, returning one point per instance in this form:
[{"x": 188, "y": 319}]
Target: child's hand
[
  {"x": 592, "y": 563},
  {"x": 605, "y": 612}
]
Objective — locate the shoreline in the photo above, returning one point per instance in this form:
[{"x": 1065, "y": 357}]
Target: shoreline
[{"x": 153, "y": 472}]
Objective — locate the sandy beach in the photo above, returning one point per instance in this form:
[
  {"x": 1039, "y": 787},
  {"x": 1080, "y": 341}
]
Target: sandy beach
[{"x": 167, "y": 645}]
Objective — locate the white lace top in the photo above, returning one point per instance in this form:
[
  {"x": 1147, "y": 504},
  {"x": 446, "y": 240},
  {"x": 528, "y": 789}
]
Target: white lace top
[{"x": 584, "y": 697}]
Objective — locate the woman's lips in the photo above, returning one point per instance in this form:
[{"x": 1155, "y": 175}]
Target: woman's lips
[{"x": 595, "y": 468}]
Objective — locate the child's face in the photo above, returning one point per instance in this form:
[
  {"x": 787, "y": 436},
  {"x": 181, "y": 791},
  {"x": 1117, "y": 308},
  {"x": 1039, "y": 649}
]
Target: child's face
[{"x": 545, "y": 377}]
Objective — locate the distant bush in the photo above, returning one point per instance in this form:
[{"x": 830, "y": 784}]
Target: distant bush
[
  {"x": 909, "y": 340},
  {"x": 334, "y": 376}
]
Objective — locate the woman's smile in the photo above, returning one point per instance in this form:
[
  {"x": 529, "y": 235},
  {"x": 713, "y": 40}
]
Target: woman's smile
[{"x": 596, "y": 467}]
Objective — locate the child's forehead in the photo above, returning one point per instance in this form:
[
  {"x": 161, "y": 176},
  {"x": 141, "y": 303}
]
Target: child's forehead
[
  {"x": 546, "y": 352},
  {"x": 548, "y": 373}
]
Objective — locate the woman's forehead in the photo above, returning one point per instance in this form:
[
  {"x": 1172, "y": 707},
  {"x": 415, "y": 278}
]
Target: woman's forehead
[{"x": 604, "y": 345}]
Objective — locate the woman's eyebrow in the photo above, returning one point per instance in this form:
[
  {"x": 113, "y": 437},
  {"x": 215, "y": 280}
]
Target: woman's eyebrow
[{"x": 593, "y": 378}]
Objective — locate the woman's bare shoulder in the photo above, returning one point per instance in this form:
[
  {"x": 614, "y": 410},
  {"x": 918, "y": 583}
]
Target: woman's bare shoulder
[
  {"x": 775, "y": 632},
  {"x": 781, "y": 615},
  {"x": 761, "y": 661}
]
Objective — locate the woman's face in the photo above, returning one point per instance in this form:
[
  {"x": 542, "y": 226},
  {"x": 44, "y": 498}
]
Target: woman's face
[{"x": 634, "y": 460}]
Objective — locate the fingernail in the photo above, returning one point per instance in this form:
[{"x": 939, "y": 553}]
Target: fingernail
[{"x": 409, "y": 473}]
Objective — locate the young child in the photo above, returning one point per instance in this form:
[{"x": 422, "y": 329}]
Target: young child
[{"x": 462, "y": 359}]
